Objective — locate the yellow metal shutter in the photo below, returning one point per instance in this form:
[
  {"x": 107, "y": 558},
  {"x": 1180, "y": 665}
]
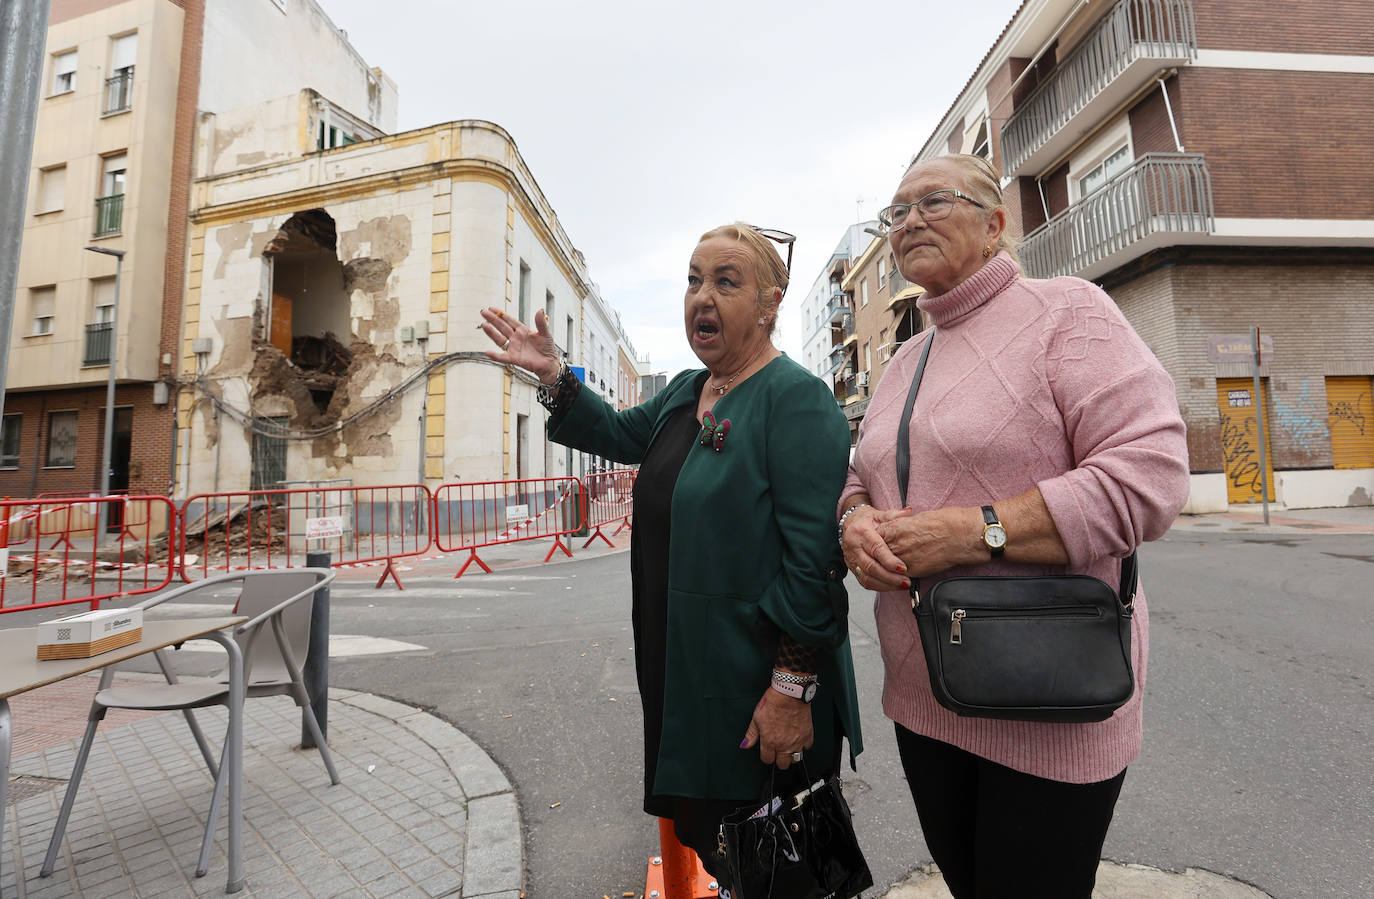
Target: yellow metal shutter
[
  {"x": 1350, "y": 415},
  {"x": 1239, "y": 441}
]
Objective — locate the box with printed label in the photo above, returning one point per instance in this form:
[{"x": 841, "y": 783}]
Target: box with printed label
[{"x": 90, "y": 633}]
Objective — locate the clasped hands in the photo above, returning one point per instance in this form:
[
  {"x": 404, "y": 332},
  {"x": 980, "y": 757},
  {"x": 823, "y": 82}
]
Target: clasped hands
[{"x": 886, "y": 548}]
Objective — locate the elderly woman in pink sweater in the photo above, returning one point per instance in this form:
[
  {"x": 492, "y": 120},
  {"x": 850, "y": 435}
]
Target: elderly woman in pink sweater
[{"x": 1045, "y": 439}]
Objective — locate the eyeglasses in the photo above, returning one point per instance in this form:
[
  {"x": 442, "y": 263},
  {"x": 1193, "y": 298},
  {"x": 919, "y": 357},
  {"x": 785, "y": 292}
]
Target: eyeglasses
[
  {"x": 781, "y": 237},
  {"x": 932, "y": 207}
]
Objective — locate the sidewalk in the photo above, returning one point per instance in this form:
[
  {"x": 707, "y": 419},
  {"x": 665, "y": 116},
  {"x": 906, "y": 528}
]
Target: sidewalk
[
  {"x": 421, "y": 810},
  {"x": 1250, "y": 518}
]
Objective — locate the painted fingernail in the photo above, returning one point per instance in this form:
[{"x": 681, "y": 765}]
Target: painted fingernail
[
  {"x": 744, "y": 744},
  {"x": 901, "y": 568},
  {"x": 906, "y": 585}
]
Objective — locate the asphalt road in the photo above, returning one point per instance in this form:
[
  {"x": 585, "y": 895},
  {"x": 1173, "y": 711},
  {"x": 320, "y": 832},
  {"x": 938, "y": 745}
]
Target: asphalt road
[{"x": 1259, "y": 719}]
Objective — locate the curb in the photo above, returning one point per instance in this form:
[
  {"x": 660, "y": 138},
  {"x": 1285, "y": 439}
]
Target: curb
[{"x": 493, "y": 855}]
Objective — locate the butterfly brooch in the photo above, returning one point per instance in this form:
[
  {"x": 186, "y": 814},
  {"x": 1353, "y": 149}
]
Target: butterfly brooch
[{"x": 713, "y": 434}]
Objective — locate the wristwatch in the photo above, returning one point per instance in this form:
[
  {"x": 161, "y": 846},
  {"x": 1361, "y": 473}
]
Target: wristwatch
[
  {"x": 994, "y": 535},
  {"x": 796, "y": 686}
]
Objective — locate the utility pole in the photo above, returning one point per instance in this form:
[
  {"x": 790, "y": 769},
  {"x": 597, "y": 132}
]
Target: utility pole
[{"x": 24, "y": 23}]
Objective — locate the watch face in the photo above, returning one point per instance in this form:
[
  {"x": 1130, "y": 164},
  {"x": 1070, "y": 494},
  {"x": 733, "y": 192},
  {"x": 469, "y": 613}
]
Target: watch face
[
  {"x": 809, "y": 693},
  {"x": 994, "y": 536}
]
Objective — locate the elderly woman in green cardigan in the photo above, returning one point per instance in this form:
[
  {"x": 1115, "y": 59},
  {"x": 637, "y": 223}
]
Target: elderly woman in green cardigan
[{"x": 739, "y": 606}]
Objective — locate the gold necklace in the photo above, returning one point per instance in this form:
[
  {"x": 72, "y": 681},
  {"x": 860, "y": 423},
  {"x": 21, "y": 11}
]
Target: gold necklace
[{"x": 720, "y": 391}]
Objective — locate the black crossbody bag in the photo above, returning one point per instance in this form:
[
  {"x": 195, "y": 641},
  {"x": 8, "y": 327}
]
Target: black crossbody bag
[{"x": 1024, "y": 648}]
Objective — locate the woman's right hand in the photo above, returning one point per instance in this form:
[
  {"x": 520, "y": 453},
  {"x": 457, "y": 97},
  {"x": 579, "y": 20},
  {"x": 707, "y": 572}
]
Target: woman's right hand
[
  {"x": 532, "y": 349},
  {"x": 867, "y": 553}
]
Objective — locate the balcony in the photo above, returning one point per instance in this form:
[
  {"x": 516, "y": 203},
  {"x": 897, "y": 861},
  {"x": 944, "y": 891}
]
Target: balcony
[
  {"x": 1126, "y": 49},
  {"x": 838, "y": 305},
  {"x": 119, "y": 92},
  {"x": 1159, "y": 200},
  {"x": 109, "y": 215},
  {"x": 896, "y": 283},
  {"x": 99, "y": 342}
]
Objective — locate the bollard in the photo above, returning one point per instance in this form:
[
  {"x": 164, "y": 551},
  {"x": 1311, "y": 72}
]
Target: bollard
[
  {"x": 315, "y": 671},
  {"x": 676, "y": 873}
]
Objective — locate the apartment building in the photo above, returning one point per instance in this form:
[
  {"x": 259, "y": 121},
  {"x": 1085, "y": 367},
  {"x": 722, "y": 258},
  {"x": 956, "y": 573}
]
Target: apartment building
[
  {"x": 1199, "y": 159},
  {"x": 819, "y": 305},
  {"x": 127, "y": 86},
  {"x": 880, "y": 315}
]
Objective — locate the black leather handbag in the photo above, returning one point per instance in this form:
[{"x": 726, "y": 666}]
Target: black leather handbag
[
  {"x": 1025, "y": 648},
  {"x": 798, "y": 846}
]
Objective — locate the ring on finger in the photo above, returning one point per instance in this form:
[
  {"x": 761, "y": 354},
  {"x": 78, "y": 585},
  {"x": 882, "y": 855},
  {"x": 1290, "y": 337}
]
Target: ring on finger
[
  {"x": 505, "y": 345},
  {"x": 859, "y": 571}
]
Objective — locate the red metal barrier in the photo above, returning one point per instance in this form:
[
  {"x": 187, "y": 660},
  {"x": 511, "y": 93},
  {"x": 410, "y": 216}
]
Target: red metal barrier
[
  {"x": 677, "y": 872},
  {"x": 610, "y": 500},
  {"x": 489, "y": 513},
  {"x": 54, "y": 559},
  {"x": 245, "y": 530}
]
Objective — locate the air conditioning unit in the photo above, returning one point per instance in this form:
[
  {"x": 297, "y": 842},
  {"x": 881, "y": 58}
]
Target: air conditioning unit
[{"x": 863, "y": 379}]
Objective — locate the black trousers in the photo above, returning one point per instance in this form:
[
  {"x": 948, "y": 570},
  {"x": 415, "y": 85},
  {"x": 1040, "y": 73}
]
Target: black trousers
[{"x": 995, "y": 832}]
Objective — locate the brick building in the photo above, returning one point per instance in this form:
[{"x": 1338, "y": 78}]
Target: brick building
[
  {"x": 1200, "y": 160},
  {"x": 127, "y": 85}
]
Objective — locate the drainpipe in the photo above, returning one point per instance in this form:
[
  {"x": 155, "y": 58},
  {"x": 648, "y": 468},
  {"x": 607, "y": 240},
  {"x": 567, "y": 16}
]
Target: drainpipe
[{"x": 1178, "y": 144}]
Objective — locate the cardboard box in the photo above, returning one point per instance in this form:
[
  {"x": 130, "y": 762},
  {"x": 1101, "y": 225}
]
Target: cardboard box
[{"x": 90, "y": 633}]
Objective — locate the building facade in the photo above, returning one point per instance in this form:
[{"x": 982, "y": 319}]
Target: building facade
[
  {"x": 332, "y": 307},
  {"x": 1194, "y": 158},
  {"x": 818, "y": 307},
  {"x": 128, "y": 86}
]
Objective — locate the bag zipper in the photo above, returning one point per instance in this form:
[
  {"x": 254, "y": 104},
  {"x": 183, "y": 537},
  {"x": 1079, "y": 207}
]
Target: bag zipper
[{"x": 956, "y": 618}]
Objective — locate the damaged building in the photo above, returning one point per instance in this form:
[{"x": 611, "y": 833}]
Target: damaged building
[{"x": 329, "y": 324}]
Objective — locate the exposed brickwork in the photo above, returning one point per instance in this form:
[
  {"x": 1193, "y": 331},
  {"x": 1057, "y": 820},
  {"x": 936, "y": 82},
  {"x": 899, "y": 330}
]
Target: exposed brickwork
[
  {"x": 1283, "y": 26},
  {"x": 1057, "y": 190},
  {"x": 149, "y": 454},
  {"x": 1319, "y": 318},
  {"x": 1276, "y": 143}
]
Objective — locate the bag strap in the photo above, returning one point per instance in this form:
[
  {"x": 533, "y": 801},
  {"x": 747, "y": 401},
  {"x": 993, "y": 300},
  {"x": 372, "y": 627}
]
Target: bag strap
[
  {"x": 1129, "y": 565},
  {"x": 904, "y": 426}
]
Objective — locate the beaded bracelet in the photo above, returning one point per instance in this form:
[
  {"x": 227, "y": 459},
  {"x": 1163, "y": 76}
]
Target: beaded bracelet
[{"x": 845, "y": 517}]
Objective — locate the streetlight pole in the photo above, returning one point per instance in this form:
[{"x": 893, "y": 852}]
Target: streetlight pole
[{"x": 102, "y": 507}]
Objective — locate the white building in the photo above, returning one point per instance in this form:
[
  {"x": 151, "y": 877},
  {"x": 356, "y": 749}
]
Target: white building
[{"x": 818, "y": 306}]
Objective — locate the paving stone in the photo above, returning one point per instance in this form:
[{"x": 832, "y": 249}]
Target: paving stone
[
  {"x": 493, "y": 859},
  {"x": 445, "y": 883}
]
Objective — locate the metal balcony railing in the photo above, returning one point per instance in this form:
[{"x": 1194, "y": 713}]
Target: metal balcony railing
[
  {"x": 109, "y": 215},
  {"x": 99, "y": 339},
  {"x": 119, "y": 91},
  {"x": 896, "y": 283},
  {"x": 1132, "y": 30},
  {"x": 1159, "y": 195},
  {"x": 839, "y": 303}
]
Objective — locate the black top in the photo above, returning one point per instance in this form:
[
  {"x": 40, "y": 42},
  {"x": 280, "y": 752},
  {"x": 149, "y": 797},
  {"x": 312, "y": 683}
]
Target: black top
[{"x": 653, "y": 504}]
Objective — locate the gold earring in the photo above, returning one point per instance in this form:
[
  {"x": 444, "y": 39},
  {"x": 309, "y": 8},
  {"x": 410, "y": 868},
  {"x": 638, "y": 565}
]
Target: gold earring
[{"x": 987, "y": 252}]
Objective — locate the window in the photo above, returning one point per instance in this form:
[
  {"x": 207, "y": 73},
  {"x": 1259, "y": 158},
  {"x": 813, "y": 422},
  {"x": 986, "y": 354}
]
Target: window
[
  {"x": 100, "y": 327},
  {"x": 102, "y": 300},
  {"x": 52, "y": 189},
  {"x": 863, "y": 292},
  {"x": 9, "y": 440},
  {"x": 548, "y": 309},
  {"x": 61, "y": 440},
  {"x": 42, "y": 305},
  {"x": 882, "y": 272},
  {"x": 64, "y": 72},
  {"x": 981, "y": 145},
  {"x": 109, "y": 206},
  {"x": 1117, "y": 161},
  {"x": 524, "y": 292},
  {"x": 568, "y": 347},
  {"x": 119, "y": 86}
]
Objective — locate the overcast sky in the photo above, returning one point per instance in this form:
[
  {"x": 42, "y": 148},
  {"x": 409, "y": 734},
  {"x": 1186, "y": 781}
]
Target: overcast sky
[{"x": 646, "y": 123}]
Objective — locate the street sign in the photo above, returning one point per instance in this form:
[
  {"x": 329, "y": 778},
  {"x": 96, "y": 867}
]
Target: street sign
[{"x": 1237, "y": 347}]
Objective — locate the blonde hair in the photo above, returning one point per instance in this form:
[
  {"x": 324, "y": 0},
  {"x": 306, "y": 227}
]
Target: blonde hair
[
  {"x": 769, "y": 268},
  {"x": 982, "y": 182}
]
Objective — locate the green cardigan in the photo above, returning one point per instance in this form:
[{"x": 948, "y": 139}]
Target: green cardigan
[{"x": 753, "y": 538}]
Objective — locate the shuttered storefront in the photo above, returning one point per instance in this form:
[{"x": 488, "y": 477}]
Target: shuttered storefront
[
  {"x": 1240, "y": 440},
  {"x": 1350, "y": 416}
]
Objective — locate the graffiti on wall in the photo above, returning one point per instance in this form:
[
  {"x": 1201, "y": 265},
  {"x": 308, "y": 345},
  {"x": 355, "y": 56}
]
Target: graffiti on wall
[
  {"x": 1301, "y": 420},
  {"x": 1348, "y": 412},
  {"x": 1240, "y": 446}
]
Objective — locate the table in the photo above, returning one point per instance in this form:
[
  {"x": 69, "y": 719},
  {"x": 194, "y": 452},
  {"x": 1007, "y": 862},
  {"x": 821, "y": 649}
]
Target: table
[{"x": 21, "y": 671}]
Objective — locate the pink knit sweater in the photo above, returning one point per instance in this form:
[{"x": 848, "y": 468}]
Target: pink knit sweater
[{"x": 1029, "y": 383}]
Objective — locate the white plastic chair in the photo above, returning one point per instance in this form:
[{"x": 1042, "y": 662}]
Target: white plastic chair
[{"x": 270, "y": 668}]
